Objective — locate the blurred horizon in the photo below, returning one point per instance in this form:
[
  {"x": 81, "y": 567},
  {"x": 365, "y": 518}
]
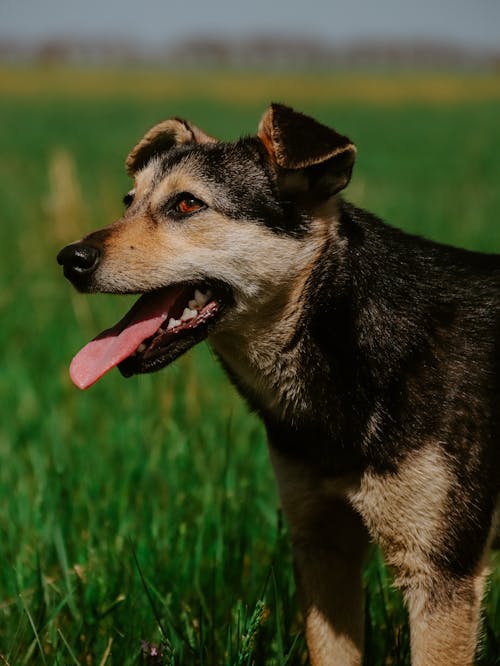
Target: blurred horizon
[{"x": 225, "y": 32}]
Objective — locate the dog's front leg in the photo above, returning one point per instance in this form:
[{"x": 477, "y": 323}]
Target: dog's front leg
[
  {"x": 444, "y": 620},
  {"x": 328, "y": 568},
  {"x": 329, "y": 547}
]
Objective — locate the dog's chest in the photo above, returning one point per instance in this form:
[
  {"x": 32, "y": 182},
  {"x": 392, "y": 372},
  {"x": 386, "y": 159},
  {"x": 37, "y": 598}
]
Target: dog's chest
[{"x": 265, "y": 372}]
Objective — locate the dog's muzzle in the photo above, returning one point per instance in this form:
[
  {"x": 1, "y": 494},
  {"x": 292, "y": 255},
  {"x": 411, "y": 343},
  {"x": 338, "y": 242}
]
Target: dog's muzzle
[{"x": 79, "y": 261}]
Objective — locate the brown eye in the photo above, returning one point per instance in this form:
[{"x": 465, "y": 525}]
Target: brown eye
[{"x": 188, "y": 204}]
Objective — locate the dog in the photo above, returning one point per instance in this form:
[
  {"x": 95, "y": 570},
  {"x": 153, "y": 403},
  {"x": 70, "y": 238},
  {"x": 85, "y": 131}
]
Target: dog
[{"x": 371, "y": 355}]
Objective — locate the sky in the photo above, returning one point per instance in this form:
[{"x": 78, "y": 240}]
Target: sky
[{"x": 472, "y": 23}]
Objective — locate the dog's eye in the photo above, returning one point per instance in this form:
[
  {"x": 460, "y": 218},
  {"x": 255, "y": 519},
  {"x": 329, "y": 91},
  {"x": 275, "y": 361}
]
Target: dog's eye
[
  {"x": 127, "y": 199},
  {"x": 187, "y": 204}
]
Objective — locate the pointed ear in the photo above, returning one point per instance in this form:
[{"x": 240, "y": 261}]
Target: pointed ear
[
  {"x": 161, "y": 138},
  {"x": 307, "y": 155}
]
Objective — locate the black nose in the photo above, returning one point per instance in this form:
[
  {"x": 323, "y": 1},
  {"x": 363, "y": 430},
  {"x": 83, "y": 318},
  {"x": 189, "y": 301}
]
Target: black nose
[{"x": 79, "y": 261}]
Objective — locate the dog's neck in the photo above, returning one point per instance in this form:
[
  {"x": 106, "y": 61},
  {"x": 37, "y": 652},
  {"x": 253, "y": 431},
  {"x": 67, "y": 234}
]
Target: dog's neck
[
  {"x": 260, "y": 363},
  {"x": 263, "y": 347},
  {"x": 305, "y": 361}
]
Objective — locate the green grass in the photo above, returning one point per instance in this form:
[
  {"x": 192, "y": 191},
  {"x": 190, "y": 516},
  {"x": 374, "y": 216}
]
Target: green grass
[{"x": 145, "y": 510}]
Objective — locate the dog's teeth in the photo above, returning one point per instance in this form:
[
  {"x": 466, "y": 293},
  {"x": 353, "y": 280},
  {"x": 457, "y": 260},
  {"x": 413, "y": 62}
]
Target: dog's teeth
[
  {"x": 188, "y": 314},
  {"x": 201, "y": 298},
  {"x": 172, "y": 323},
  {"x": 141, "y": 347},
  {"x": 193, "y": 304}
]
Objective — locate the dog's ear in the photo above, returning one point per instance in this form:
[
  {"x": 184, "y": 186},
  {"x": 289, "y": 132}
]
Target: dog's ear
[
  {"x": 307, "y": 155},
  {"x": 163, "y": 137}
]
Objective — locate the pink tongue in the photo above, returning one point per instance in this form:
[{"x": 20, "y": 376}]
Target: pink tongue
[{"x": 117, "y": 343}]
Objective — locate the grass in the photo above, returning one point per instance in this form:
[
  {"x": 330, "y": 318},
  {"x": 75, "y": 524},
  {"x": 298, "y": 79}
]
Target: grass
[
  {"x": 141, "y": 516},
  {"x": 249, "y": 87}
]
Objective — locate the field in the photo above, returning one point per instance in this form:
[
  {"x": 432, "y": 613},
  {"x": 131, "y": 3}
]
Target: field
[{"x": 141, "y": 515}]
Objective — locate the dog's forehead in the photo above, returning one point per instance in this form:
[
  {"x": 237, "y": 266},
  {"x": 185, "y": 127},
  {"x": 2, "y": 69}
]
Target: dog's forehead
[
  {"x": 230, "y": 176},
  {"x": 214, "y": 162}
]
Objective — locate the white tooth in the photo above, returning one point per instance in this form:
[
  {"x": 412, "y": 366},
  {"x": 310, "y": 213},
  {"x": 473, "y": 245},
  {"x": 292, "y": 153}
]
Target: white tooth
[
  {"x": 188, "y": 314},
  {"x": 172, "y": 323},
  {"x": 201, "y": 298},
  {"x": 193, "y": 304},
  {"x": 141, "y": 347}
]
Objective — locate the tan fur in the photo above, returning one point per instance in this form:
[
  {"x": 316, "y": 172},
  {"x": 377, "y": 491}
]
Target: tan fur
[
  {"x": 404, "y": 511},
  {"x": 327, "y": 645},
  {"x": 224, "y": 252},
  {"x": 143, "y": 181},
  {"x": 329, "y": 544},
  {"x": 445, "y": 631},
  {"x": 254, "y": 341},
  {"x": 183, "y": 179}
]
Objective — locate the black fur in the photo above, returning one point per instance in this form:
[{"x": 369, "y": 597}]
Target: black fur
[{"x": 407, "y": 330}]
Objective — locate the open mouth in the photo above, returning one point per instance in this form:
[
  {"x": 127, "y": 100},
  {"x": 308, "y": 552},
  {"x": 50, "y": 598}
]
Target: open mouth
[{"x": 159, "y": 327}]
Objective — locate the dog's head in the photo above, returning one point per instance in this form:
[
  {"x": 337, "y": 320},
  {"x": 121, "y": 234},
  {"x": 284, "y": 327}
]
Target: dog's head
[{"x": 210, "y": 232}]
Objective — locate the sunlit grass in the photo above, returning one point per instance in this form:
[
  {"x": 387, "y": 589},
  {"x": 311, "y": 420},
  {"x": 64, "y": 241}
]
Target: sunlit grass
[{"x": 243, "y": 87}]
